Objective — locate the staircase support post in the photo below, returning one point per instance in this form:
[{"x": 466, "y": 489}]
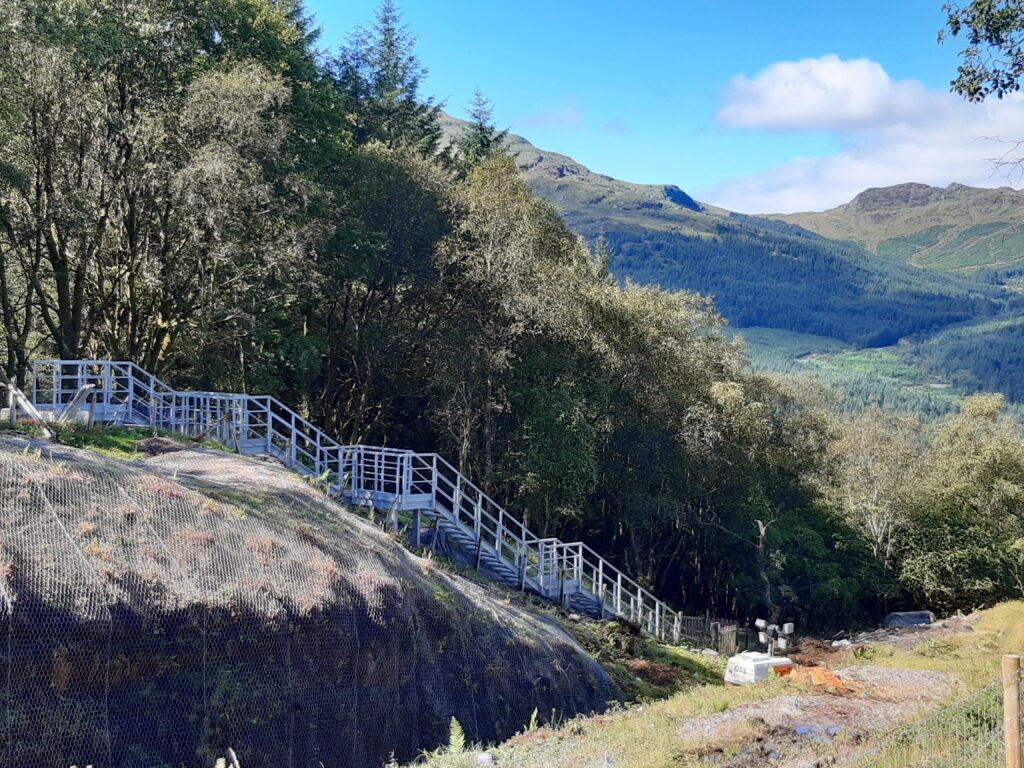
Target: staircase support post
[
  {"x": 522, "y": 564},
  {"x": 416, "y": 528}
]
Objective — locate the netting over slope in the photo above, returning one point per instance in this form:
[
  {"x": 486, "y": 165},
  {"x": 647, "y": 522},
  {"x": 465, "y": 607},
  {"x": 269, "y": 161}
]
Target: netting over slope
[{"x": 154, "y": 615}]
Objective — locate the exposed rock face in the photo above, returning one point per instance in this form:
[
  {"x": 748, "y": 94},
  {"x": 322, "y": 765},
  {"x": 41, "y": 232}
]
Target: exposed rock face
[
  {"x": 899, "y": 196},
  {"x": 158, "y": 613}
]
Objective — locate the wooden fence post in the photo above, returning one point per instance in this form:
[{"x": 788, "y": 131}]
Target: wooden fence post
[{"x": 1011, "y": 710}]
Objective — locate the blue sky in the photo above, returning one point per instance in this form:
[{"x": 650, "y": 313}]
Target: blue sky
[{"x": 756, "y": 106}]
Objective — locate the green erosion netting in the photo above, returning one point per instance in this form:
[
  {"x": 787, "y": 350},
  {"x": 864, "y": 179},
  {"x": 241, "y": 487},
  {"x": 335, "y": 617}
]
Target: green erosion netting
[{"x": 154, "y": 614}]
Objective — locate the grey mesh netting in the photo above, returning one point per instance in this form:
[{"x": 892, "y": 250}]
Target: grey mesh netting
[{"x": 156, "y": 613}]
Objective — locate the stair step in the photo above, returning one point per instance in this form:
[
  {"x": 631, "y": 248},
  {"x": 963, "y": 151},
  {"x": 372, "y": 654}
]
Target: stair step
[{"x": 382, "y": 478}]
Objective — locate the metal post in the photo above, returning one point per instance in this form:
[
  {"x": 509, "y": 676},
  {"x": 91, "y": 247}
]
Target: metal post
[
  {"x": 1011, "y": 710},
  {"x": 499, "y": 533},
  {"x": 12, "y": 404},
  {"x": 433, "y": 483},
  {"x": 542, "y": 568},
  {"x": 522, "y": 563}
]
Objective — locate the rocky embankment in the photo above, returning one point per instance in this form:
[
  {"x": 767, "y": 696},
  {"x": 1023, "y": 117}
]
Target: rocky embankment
[{"x": 157, "y": 612}]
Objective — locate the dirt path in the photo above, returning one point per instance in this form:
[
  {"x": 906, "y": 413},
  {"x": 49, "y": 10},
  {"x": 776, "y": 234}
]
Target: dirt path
[{"x": 816, "y": 725}]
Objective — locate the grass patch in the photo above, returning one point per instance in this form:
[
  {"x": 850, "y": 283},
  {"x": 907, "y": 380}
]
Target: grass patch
[
  {"x": 645, "y": 670},
  {"x": 972, "y": 657},
  {"x": 650, "y": 735},
  {"x": 114, "y": 442}
]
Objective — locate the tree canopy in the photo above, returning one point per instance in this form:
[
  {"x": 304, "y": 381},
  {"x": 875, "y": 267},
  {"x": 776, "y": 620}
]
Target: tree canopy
[
  {"x": 192, "y": 186},
  {"x": 993, "y": 57}
]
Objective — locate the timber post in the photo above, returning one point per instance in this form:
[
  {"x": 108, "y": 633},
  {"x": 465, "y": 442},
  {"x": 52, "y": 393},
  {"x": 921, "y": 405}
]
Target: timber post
[{"x": 1011, "y": 710}]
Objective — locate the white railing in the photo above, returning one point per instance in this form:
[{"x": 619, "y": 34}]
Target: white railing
[{"x": 385, "y": 478}]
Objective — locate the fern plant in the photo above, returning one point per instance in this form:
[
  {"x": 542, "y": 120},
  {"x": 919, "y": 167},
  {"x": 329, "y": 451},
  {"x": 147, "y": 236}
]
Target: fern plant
[{"x": 456, "y": 738}]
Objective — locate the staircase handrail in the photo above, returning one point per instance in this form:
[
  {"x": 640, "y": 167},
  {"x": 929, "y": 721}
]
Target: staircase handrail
[{"x": 586, "y": 561}]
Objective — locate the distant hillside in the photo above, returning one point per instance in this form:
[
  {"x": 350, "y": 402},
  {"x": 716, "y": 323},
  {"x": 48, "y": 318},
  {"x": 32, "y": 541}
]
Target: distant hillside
[
  {"x": 850, "y": 277},
  {"x": 590, "y": 200},
  {"x": 955, "y": 228},
  {"x": 760, "y": 272}
]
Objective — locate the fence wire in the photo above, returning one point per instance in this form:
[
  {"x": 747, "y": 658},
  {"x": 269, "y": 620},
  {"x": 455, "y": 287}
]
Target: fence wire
[
  {"x": 157, "y": 616},
  {"x": 965, "y": 734}
]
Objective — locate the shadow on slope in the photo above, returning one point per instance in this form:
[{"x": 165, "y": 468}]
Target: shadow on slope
[{"x": 157, "y": 613}]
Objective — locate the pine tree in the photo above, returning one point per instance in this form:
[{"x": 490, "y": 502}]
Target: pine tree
[
  {"x": 380, "y": 76},
  {"x": 481, "y": 138}
]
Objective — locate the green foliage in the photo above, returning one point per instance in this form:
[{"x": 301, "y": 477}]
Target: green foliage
[
  {"x": 252, "y": 219},
  {"x": 977, "y": 357},
  {"x": 993, "y": 59},
  {"x": 797, "y": 282},
  {"x": 380, "y": 76},
  {"x": 480, "y": 139},
  {"x": 456, "y": 738},
  {"x": 967, "y": 515}
]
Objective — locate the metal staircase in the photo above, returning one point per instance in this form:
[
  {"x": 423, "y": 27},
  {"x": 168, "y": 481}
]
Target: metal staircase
[{"x": 464, "y": 518}]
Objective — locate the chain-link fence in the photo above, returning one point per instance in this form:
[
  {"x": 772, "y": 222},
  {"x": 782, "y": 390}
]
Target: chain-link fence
[
  {"x": 158, "y": 615},
  {"x": 969, "y": 733}
]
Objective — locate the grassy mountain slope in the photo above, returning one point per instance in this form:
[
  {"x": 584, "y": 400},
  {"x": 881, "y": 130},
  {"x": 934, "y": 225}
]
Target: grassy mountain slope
[
  {"x": 591, "y": 200},
  {"x": 956, "y": 228},
  {"x": 786, "y": 284}
]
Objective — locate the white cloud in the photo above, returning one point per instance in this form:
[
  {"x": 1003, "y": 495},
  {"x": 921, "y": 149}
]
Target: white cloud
[
  {"x": 891, "y": 132},
  {"x": 826, "y": 93}
]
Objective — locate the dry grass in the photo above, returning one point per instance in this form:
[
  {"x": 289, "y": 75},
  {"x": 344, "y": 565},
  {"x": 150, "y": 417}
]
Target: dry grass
[
  {"x": 198, "y": 538},
  {"x": 261, "y": 545},
  {"x": 647, "y": 735},
  {"x": 100, "y": 551},
  {"x": 972, "y": 657},
  {"x": 651, "y": 736}
]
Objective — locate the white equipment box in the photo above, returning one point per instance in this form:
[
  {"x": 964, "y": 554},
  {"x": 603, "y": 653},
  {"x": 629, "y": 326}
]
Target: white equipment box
[{"x": 751, "y": 667}]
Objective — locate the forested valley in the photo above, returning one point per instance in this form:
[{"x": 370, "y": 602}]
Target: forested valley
[{"x": 194, "y": 186}]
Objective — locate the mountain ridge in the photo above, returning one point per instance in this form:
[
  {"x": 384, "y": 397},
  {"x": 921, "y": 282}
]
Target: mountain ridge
[
  {"x": 884, "y": 329},
  {"x": 954, "y": 228}
]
